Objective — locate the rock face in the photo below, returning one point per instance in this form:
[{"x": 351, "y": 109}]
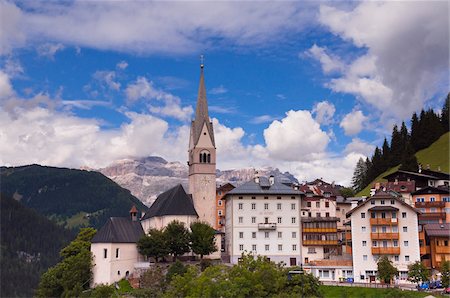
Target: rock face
[{"x": 147, "y": 177}]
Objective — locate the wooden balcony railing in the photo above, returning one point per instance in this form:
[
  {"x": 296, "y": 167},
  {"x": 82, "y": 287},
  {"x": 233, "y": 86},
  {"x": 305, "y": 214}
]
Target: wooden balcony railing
[
  {"x": 383, "y": 221},
  {"x": 439, "y": 204},
  {"x": 384, "y": 236},
  {"x": 385, "y": 250},
  {"x": 348, "y": 236},
  {"x": 319, "y": 230},
  {"x": 443, "y": 249},
  {"x": 424, "y": 250},
  {"x": 320, "y": 242}
]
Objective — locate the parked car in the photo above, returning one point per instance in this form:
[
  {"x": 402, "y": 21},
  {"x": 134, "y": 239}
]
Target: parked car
[
  {"x": 424, "y": 286},
  {"x": 447, "y": 290},
  {"x": 437, "y": 284}
]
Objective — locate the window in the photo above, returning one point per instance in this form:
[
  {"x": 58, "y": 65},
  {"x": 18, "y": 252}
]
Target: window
[
  {"x": 392, "y": 202},
  {"x": 363, "y": 215},
  {"x": 327, "y": 204},
  {"x": 253, "y": 206},
  {"x": 240, "y": 219},
  {"x": 383, "y": 229},
  {"x": 364, "y": 243},
  {"x": 280, "y": 247},
  {"x": 253, "y": 198},
  {"x": 311, "y": 250},
  {"x": 280, "y": 234},
  {"x": 364, "y": 257},
  {"x": 266, "y": 247},
  {"x": 324, "y": 273},
  {"x": 383, "y": 214},
  {"x": 240, "y": 198},
  {"x": 309, "y": 214},
  {"x": 292, "y": 198},
  {"x": 278, "y": 198},
  {"x": 327, "y": 214},
  {"x": 384, "y": 243},
  {"x": 317, "y": 214},
  {"x": 219, "y": 212},
  {"x": 373, "y": 215},
  {"x": 405, "y": 229},
  {"x": 266, "y": 220},
  {"x": 293, "y": 220},
  {"x": 433, "y": 210},
  {"x": 396, "y": 258},
  {"x": 407, "y": 258},
  {"x": 432, "y": 199},
  {"x": 363, "y": 229},
  {"x": 394, "y": 229},
  {"x": 279, "y": 206},
  {"x": 241, "y": 247},
  {"x": 117, "y": 253},
  {"x": 253, "y": 234},
  {"x": 254, "y": 247},
  {"x": 395, "y": 243},
  {"x": 241, "y": 234},
  {"x": 382, "y": 202},
  {"x": 279, "y": 220},
  {"x": 266, "y": 234},
  {"x": 308, "y": 204},
  {"x": 374, "y": 229},
  {"x": 294, "y": 234},
  {"x": 294, "y": 247},
  {"x": 405, "y": 243},
  {"x": 293, "y": 206},
  {"x": 374, "y": 243},
  {"x": 317, "y": 204},
  {"x": 372, "y": 202},
  {"x": 253, "y": 219},
  {"x": 105, "y": 253},
  {"x": 219, "y": 202},
  {"x": 266, "y": 206},
  {"x": 403, "y": 214},
  {"x": 394, "y": 214},
  {"x": 240, "y": 206}
]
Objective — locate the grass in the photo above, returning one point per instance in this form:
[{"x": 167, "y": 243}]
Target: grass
[
  {"x": 360, "y": 292},
  {"x": 437, "y": 155},
  {"x": 77, "y": 220}
]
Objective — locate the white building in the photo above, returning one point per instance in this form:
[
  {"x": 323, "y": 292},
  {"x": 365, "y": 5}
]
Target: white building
[
  {"x": 263, "y": 217},
  {"x": 383, "y": 225}
]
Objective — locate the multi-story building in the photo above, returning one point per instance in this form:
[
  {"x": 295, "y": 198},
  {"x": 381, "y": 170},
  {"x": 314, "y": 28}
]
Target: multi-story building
[
  {"x": 263, "y": 218},
  {"x": 383, "y": 225},
  {"x": 221, "y": 191},
  {"x": 433, "y": 203},
  {"x": 422, "y": 179}
]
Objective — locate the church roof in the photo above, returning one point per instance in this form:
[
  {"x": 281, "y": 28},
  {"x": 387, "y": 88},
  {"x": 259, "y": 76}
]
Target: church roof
[
  {"x": 264, "y": 187},
  {"x": 175, "y": 201},
  {"x": 119, "y": 230},
  {"x": 201, "y": 113}
]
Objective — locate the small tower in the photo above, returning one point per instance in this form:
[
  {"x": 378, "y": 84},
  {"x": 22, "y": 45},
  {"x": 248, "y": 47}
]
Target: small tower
[
  {"x": 133, "y": 213},
  {"x": 202, "y": 158}
]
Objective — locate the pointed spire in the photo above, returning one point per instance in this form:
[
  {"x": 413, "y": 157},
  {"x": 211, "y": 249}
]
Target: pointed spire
[{"x": 201, "y": 112}]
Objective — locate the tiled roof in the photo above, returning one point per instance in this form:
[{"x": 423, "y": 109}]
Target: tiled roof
[
  {"x": 437, "y": 230},
  {"x": 400, "y": 186},
  {"x": 432, "y": 190},
  {"x": 264, "y": 187},
  {"x": 175, "y": 201},
  {"x": 383, "y": 208},
  {"x": 119, "y": 230}
]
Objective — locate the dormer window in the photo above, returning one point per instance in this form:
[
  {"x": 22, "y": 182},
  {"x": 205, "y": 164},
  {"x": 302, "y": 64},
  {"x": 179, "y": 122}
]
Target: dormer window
[{"x": 205, "y": 157}]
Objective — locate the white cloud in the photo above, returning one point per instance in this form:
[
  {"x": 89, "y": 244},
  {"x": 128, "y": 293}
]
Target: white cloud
[
  {"x": 324, "y": 112},
  {"x": 359, "y": 146},
  {"x": 12, "y": 32},
  {"x": 144, "y": 89},
  {"x": 218, "y": 90},
  {"x": 297, "y": 137},
  {"x": 406, "y": 62},
  {"x": 262, "y": 119},
  {"x": 122, "y": 65},
  {"x": 49, "y": 50},
  {"x": 6, "y": 89},
  {"x": 329, "y": 62},
  {"x": 108, "y": 78},
  {"x": 352, "y": 123},
  {"x": 222, "y": 110}
]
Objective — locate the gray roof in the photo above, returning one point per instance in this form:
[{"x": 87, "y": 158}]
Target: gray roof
[
  {"x": 175, "y": 201},
  {"x": 119, "y": 230},
  {"x": 263, "y": 187},
  {"x": 437, "y": 230},
  {"x": 383, "y": 208}
]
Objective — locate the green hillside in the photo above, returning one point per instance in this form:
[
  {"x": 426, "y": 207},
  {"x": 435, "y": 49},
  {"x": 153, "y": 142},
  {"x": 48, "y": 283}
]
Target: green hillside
[
  {"x": 437, "y": 155},
  {"x": 30, "y": 243},
  {"x": 70, "y": 197}
]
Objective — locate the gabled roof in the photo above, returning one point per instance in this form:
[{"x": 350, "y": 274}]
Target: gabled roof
[
  {"x": 264, "y": 187},
  {"x": 201, "y": 113},
  {"x": 440, "y": 175},
  {"x": 415, "y": 174},
  {"x": 431, "y": 190},
  {"x": 119, "y": 230},
  {"x": 437, "y": 230},
  {"x": 175, "y": 201}
]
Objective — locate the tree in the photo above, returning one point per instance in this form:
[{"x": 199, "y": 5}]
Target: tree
[
  {"x": 445, "y": 271},
  {"x": 347, "y": 192},
  {"x": 415, "y": 132},
  {"x": 445, "y": 114},
  {"x": 359, "y": 175},
  {"x": 386, "y": 271},
  {"x": 72, "y": 275},
  {"x": 385, "y": 155},
  {"x": 153, "y": 245},
  {"x": 202, "y": 239},
  {"x": 176, "y": 268},
  {"x": 409, "y": 160},
  {"x": 177, "y": 238},
  {"x": 154, "y": 281},
  {"x": 417, "y": 272},
  {"x": 396, "y": 147}
]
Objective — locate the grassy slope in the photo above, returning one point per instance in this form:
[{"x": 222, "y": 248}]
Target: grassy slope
[
  {"x": 437, "y": 155},
  {"x": 359, "y": 292}
]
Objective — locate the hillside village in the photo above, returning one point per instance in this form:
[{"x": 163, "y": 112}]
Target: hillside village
[{"x": 309, "y": 225}]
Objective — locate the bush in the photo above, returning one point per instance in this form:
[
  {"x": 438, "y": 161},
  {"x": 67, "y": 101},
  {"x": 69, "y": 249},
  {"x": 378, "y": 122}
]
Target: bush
[{"x": 176, "y": 268}]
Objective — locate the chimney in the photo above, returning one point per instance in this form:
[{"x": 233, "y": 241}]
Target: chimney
[
  {"x": 271, "y": 179},
  {"x": 332, "y": 184},
  {"x": 133, "y": 213}
]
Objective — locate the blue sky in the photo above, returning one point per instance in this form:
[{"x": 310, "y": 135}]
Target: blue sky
[{"x": 308, "y": 87}]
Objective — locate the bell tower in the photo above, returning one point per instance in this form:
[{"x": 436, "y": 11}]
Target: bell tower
[{"x": 202, "y": 158}]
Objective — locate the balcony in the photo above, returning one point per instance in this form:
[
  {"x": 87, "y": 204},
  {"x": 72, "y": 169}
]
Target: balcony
[
  {"x": 319, "y": 242},
  {"x": 348, "y": 236},
  {"x": 432, "y": 216},
  {"x": 385, "y": 250},
  {"x": 424, "y": 250},
  {"x": 319, "y": 230},
  {"x": 439, "y": 204},
  {"x": 383, "y": 221},
  {"x": 384, "y": 236},
  {"x": 267, "y": 226},
  {"x": 443, "y": 249}
]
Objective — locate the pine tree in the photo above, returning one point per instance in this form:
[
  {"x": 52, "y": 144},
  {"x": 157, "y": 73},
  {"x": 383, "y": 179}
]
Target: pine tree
[
  {"x": 415, "y": 128},
  {"x": 385, "y": 155},
  {"x": 445, "y": 114},
  {"x": 396, "y": 147},
  {"x": 409, "y": 160},
  {"x": 359, "y": 175}
]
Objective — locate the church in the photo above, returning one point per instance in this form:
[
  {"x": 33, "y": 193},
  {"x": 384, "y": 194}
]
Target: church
[{"x": 114, "y": 250}]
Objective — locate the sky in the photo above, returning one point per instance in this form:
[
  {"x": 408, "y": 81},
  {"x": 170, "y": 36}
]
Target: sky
[{"x": 307, "y": 87}]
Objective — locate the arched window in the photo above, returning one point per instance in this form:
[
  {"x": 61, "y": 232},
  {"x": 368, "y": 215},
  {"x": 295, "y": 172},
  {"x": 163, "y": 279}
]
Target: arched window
[
  {"x": 201, "y": 158},
  {"x": 209, "y": 158},
  {"x": 205, "y": 156}
]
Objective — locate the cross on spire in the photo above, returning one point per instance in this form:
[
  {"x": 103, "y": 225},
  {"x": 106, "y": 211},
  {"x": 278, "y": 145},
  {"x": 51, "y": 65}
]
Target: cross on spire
[{"x": 202, "y": 60}]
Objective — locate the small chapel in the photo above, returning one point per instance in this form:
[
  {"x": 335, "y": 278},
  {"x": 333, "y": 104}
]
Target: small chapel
[{"x": 114, "y": 249}]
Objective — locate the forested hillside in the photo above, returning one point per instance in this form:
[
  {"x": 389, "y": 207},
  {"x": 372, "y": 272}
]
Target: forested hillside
[
  {"x": 73, "y": 198},
  {"x": 30, "y": 243}
]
